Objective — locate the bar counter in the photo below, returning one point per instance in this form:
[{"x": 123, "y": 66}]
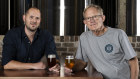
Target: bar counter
[{"x": 45, "y": 74}]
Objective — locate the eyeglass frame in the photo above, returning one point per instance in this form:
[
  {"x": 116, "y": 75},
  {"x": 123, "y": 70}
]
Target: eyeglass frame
[{"x": 93, "y": 17}]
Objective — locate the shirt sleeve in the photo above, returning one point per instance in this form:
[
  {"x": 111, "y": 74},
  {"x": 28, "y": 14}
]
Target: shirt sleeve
[
  {"x": 9, "y": 51},
  {"x": 81, "y": 54},
  {"x": 50, "y": 46},
  {"x": 126, "y": 46}
]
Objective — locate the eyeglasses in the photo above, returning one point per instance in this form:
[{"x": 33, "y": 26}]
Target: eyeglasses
[{"x": 93, "y": 17}]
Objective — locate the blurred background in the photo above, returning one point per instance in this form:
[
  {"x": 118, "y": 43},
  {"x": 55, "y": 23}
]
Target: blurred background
[{"x": 64, "y": 17}]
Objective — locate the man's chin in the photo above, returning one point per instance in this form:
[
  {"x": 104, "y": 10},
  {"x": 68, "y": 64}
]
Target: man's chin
[
  {"x": 33, "y": 29},
  {"x": 93, "y": 29}
]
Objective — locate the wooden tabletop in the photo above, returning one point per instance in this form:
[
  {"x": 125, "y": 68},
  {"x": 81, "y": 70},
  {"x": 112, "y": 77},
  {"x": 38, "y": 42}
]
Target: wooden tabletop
[{"x": 45, "y": 74}]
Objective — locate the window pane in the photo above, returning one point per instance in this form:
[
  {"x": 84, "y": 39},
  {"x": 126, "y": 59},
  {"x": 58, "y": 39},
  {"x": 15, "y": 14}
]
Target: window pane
[{"x": 138, "y": 17}]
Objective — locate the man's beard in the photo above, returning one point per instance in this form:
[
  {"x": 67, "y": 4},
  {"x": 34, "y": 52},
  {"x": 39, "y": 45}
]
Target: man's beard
[{"x": 30, "y": 29}]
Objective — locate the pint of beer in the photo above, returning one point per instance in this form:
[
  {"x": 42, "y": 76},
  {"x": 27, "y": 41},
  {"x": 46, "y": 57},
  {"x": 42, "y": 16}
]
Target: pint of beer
[
  {"x": 69, "y": 61},
  {"x": 51, "y": 60}
]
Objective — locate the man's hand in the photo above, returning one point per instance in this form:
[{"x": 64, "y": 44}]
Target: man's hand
[
  {"x": 79, "y": 65},
  {"x": 67, "y": 70},
  {"x": 55, "y": 68}
]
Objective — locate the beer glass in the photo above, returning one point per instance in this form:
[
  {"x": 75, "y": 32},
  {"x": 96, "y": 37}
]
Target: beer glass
[
  {"x": 51, "y": 60},
  {"x": 69, "y": 61}
]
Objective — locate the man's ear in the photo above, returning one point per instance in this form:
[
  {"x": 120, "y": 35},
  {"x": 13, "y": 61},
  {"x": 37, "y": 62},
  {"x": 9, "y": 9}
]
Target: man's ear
[
  {"x": 23, "y": 17},
  {"x": 103, "y": 17},
  {"x": 84, "y": 21}
]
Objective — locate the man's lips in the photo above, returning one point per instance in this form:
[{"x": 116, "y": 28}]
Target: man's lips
[
  {"x": 93, "y": 24},
  {"x": 33, "y": 24}
]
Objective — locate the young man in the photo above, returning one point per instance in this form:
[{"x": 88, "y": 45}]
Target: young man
[
  {"x": 25, "y": 46},
  {"x": 108, "y": 49}
]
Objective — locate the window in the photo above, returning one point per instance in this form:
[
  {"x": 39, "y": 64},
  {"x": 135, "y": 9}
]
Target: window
[
  {"x": 51, "y": 10},
  {"x": 3, "y": 16},
  {"x": 110, "y": 11},
  {"x": 131, "y": 27},
  {"x": 138, "y": 17}
]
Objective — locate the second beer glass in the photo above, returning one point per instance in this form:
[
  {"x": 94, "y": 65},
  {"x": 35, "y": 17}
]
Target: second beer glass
[
  {"x": 51, "y": 60},
  {"x": 69, "y": 61}
]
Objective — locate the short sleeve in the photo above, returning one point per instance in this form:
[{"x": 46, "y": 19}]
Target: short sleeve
[
  {"x": 126, "y": 46},
  {"x": 80, "y": 54}
]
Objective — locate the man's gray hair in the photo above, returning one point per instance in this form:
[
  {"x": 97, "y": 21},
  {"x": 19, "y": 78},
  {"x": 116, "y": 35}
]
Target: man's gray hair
[{"x": 94, "y": 6}]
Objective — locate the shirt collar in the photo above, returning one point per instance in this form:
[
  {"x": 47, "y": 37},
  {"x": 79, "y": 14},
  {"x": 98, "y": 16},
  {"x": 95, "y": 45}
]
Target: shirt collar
[{"x": 25, "y": 36}]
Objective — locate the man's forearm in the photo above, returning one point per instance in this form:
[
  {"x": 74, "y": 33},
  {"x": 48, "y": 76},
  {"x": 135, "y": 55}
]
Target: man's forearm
[
  {"x": 19, "y": 65},
  {"x": 134, "y": 67}
]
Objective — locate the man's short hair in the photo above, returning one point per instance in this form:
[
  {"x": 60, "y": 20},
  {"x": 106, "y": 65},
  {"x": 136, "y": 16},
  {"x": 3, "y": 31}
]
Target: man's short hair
[
  {"x": 94, "y": 6},
  {"x": 32, "y": 8}
]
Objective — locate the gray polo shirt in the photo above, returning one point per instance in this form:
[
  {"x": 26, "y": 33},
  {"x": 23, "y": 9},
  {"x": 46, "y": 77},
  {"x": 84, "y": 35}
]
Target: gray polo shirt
[{"x": 108, "y": 53}]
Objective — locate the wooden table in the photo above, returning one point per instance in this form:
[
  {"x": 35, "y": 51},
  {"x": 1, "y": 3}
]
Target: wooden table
[{"x": 45, "y": 74}]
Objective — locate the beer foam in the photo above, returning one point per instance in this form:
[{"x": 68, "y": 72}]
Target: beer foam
[
  {"x": 69, "y": 57},
  {"x": 51, "y": 56}
]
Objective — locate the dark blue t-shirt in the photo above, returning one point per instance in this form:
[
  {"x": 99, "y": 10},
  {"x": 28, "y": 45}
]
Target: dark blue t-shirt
[{"x": 18, "y": 47}]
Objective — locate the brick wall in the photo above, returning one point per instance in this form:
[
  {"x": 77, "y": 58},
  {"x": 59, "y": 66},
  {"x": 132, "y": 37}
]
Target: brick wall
[
  {"x": 135, "y": 41},
  {"x": 69, "y": 44},
  {"x": 1, "y": 43},
  {"x": 66, "y": 44}
]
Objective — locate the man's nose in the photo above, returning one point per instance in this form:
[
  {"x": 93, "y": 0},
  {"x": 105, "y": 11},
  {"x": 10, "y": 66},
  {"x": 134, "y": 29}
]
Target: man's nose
[
  {"x": 34, "y": 20},
  {"x": 92, "y": 19}
]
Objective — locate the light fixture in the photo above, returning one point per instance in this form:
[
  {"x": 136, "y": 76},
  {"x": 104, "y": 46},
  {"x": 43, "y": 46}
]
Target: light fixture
[{"x": 62, "y": 14}]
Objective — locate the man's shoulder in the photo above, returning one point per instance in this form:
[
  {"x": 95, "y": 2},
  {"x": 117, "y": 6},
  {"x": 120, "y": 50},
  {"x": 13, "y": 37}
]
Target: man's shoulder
[
  {"x": 13, "y": 34},
  {"x": 85, "y": 34},
  {"x": 15, "y": 31},
  {"x": 115, "y": 30},
  {"x": 45, "y": 33}
]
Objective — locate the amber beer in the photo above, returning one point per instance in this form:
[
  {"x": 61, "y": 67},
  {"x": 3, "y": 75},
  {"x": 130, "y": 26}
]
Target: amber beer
[
  {"x": 69, "y": 61},
  {"x": 51, "y": 60}
]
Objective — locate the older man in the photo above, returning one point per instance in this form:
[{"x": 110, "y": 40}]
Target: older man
[{"x": 108, "y": 49}]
